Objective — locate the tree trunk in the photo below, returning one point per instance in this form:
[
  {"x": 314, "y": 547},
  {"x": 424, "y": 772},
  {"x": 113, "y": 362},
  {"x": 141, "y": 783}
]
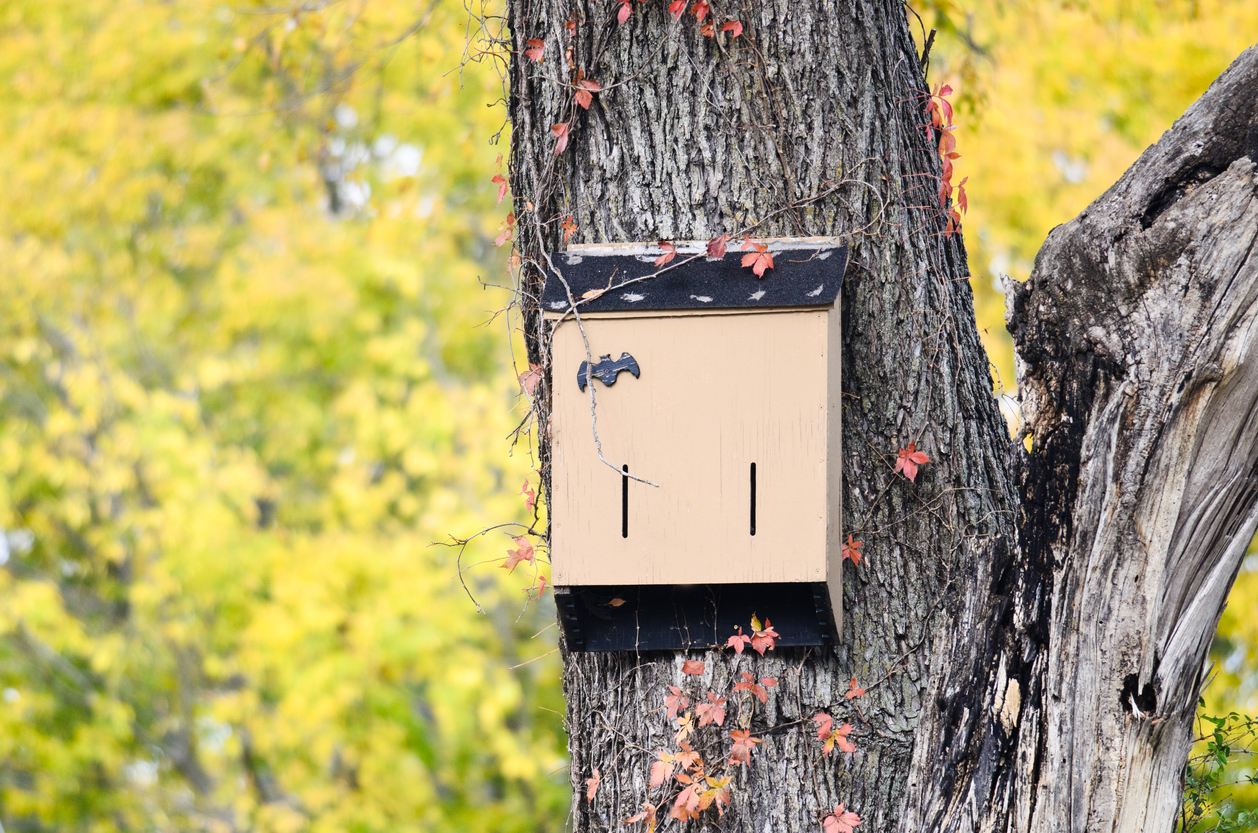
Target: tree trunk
[{"x": 992, "y": 657}]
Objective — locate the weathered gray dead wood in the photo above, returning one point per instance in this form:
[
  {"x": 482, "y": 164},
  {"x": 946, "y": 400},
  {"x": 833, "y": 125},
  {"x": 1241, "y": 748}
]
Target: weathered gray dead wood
[
  {"x": 1138, "y": 336},
  {"x": 996, "y": 631}
]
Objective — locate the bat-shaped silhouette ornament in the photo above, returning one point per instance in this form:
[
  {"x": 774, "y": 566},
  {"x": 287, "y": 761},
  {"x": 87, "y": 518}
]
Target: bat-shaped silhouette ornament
[{"x": 606, "y": 370}]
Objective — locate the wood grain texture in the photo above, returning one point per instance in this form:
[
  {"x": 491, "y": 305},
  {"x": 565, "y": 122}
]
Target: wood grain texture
[{"x": 1138, "y": 337}]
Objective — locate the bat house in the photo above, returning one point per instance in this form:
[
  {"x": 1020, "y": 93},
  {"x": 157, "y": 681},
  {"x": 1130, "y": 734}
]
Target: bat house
[{"x": 721, "y": 389}]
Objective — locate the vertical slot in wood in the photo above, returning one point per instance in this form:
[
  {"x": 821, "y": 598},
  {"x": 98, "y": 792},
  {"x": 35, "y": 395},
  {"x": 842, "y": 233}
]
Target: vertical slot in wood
[
  {"x": 624, "y": 501},
  {"x": 753, "y": 498}
]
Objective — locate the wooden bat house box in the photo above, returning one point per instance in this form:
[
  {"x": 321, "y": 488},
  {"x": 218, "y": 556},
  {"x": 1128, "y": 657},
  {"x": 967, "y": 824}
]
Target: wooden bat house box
[{"x": 722, "y": 389}]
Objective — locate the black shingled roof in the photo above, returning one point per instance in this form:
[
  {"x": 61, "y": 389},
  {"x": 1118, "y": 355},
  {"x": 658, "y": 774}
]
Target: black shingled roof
[{"x": 805, "y": 277}]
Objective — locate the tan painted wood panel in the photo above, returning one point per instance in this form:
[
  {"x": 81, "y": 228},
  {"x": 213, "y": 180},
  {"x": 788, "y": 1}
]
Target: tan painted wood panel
[{"x": 716, "y": 394}]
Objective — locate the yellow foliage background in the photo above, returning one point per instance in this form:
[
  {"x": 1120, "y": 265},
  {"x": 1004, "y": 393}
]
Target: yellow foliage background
[{"x": 249, "y": 373}]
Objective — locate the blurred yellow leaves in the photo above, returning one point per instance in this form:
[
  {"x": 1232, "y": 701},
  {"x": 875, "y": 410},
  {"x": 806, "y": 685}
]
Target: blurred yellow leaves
[
  {"x": 241, "y": 392},
  {"x": 1055, "y": 100}
]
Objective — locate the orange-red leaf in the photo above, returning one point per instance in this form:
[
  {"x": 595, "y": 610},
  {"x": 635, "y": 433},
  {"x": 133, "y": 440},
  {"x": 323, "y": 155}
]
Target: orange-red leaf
[
  {"x": 841, "y": 820},
  {"x": 530, "y": 496},
  {"x": 529, "y": 380},
  {"x": 743, "y": 744},
  {"x": 670, "y": 252},
  {"x": 712, "y": 711},
  {"x": 852, "y": 550},
  {"x": 585, "y": 90},
  {"x": 647, "y": 815},
  {"x": 535, "y": 592},
  {"x": 625, "y": 11},
  {"x": 675, "y": 702},
  {"x": 692, "y": 666},
  {"x": 758, "y": 690},
  {"x": 733, "y": 26},
  {"x": 909, "y": 459},
  {"x": 517, "y": 556},
  {"x": 759, "y": 258},
  {"x": 738, "y": 641},
  {"x": 700, "y": 10},
  {"x": 591, "y": 785},
  {"x": 569, "y": 226},
  {"x": 502, "y": 186},
  {"x": 677, "y": 8},
  {"x": 561, "y": 133},
  {"x": 536, "y": 49},
  {"x": 854, "y": 690},
  {"x": 716, "y": 246},
  {"x": 506, "y": 229},
  {"x": 762, "y": 639}
]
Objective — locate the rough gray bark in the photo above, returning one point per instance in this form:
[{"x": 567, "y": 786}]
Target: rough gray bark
[{"x": 974, "y": 643}]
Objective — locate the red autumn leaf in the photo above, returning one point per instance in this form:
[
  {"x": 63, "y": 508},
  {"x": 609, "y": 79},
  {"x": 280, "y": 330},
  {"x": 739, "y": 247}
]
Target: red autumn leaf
[
  {"x": 839, "y": 737},
  {"x": 670, "y": 252},
  {"x": 675, "y": 702},
  {"x": 625, "y": 11},
  {"x": 677, "y": 8},
  {"x": 536, "y": 49},
  {"x": 502, "y": 186},
  {"x": 561, "y": 133},
  {"x": 688, "y": 757},
  {"x": 539, "y": 588},
  {"x": 700, "y": 10},
  {"x": 530, "y": 496},
  {"x": 762, "y": 639},
  {"x": 571, "y": 25},
  {"x": 738, "y": 641},
  {"x": 826, "y": 732},
  {"x": 692, "y": 666},
  {"x": 516, "y": 556},
  {"x": 569, "y": 226},
  {"x": 749, "y": 684},
  {"x": 647, "y": 815},
  {"x": 585, "y": 90},
  {"x": 591, "y": 785},
  {"x": 529, "y": 380},
  {"x": 854, "y": 690},
  {"x": 733, "y": 26},
  {"x": 687, "y": 804},
  {"x": 712, "y": 711},
  {"x": 506, "y": 229},
  {"x": 962, "y": 202},
  {"x": 708, "y": 30},
  {"x": 840, "y": 821},
  {"x": 743, "y": 744},
  {"x": 759, "y": 259},
  {"x": 908, "y": 461},
  {"x": 852, "y": 550},
  {"x": 716, "y": 246}
]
